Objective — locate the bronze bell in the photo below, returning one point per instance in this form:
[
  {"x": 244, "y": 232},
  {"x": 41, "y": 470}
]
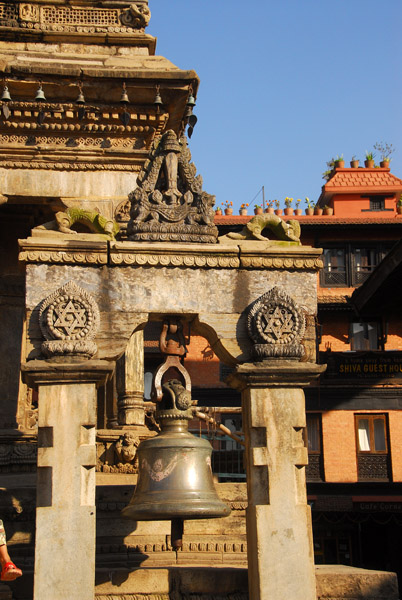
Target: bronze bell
[
  {"x": 40, "y": 94},
  {"x": 175, "y": 477}
]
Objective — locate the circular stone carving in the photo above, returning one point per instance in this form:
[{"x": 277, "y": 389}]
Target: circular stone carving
[
  {"x": 276, "y": 326},
  {"x": 69, "y": 319}
]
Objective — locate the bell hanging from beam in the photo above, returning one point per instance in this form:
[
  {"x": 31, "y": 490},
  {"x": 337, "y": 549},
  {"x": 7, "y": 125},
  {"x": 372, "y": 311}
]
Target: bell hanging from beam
[{"x": 175, "y": 479}]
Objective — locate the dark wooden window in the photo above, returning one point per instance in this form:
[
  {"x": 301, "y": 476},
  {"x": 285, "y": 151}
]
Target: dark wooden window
[
  {"x": 377, "y": 203},
  {"x": 334, "y": 272},
  {"x": 350, "y": 265},
  {"x": 364, "y": 335},
  {"x": 314, "y": 470},
  {"x": 372, "y": 447}
]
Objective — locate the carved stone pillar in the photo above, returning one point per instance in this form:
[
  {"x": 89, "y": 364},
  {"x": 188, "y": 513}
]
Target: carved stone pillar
[
  {"x": 65, "y": 514},
  {"x": 130, "y": 382},
  {"x": 279, "y": 534}
]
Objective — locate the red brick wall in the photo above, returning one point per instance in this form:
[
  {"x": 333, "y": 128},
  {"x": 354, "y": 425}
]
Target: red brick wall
[
  {"x": 335, "y": 331},
  {"x": 351, "y": 205},
  {"x": 395, "y": 443},
  {"x": 339, "y": 446},
  {"x": 202, "y": 364}
]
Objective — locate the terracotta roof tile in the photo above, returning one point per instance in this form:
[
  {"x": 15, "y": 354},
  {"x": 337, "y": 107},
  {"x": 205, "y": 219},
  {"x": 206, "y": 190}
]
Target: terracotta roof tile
[
  {"x": 333, "y": 299},
  {"x": 318, "y": 220},
  {"x": 363, "y": 180}
]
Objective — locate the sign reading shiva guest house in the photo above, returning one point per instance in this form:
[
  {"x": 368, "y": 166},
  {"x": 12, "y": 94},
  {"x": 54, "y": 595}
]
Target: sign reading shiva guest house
[{"x": 363, "y": 365}]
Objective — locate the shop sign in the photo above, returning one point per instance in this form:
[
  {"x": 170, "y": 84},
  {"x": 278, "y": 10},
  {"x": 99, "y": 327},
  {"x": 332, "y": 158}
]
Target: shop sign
[
  {"x": 364, "y": 365},
  {"x": 390, "y": 507}
]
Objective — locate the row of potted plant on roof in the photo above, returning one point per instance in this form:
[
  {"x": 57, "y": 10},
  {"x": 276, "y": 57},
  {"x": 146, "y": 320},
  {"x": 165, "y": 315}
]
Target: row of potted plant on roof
[
  {"x": 274, "y": 207},
  {"x": 338, "y": 162}
]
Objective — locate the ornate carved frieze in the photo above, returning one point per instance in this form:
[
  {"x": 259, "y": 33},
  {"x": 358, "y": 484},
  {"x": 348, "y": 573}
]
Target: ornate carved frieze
[
  {"x": 196, "y": 261},
  {"x": 18, "y": 457},
  {"x": 73, "y": 135},
  {"x": 290, "y": 263},
  {"x": 276, "y": 325},
  {"x": 69, "y": 320},
  {"x": 169, "y": 203},
  {"x": 31, "y": 16},
  {"x": 63, "y": 257}
]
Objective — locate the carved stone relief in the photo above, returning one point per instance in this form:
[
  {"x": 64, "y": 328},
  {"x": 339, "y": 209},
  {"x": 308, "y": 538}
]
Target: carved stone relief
[
  {"x": 69, "y": 319},
  {"x": 80, "y": 19},
  {"x": 169, "y": 203},
  {"x": 18, "y": 457},
  {"x": 276, "y": 325},
  {"x": 118, "y": 456}
]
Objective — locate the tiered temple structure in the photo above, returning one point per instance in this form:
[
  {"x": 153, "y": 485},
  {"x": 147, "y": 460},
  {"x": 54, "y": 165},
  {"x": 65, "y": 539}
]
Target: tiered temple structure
[{"x": 115, "y": 233}]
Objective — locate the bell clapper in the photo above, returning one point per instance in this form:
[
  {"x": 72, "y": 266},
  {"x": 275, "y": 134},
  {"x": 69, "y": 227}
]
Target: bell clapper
[{"x": 176, "y": 534}]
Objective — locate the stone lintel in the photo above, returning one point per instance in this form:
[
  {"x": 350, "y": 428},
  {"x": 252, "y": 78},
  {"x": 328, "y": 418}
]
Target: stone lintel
[
  {"x": 274, "y": 373},
  {"x": 56, "y": 247},
  {"x": 279, "y": 255},
  {"x": 166, "y": 254},
  {"x": 42, "y": 372},
  {"x": 65, "y": 248}
]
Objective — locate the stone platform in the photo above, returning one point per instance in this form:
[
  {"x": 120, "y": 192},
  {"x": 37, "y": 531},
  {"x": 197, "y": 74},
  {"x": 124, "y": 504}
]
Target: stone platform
[{"x": 334, "y": 582}]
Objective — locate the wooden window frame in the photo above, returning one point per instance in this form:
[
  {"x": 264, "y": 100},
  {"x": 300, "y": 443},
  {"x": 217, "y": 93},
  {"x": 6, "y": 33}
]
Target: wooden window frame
[
  {"x": 318, "y": 419},
  {"x": 351, "y": 274},
  {"x": 371, "y": 417}
]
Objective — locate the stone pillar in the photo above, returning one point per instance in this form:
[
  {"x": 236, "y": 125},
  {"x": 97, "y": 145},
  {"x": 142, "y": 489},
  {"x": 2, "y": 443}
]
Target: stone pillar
[
  {"x": 130, "y": 382},
  {"x": 65, "y": 514},
  {"x": 279, "y": 534}
]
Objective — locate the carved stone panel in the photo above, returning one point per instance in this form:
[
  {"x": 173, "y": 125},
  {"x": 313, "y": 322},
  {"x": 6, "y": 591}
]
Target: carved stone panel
[
  {"x": 276, "y": 325},
  {"x": 169, "y": 203},
  {"x": 30, "y": 16},
  {"x": 69, "y": 319}
]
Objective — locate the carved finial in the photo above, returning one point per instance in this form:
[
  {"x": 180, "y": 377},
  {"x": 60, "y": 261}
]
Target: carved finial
[{"x": 169, "y": 203}]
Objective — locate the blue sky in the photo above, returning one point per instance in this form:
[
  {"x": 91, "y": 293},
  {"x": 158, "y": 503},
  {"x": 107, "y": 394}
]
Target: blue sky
[{"x": 285, "y": 85}]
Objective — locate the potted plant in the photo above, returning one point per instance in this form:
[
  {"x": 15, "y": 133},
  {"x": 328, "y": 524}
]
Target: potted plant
[
  {"x": 298, "y": 210},
  {"x": 278, "y": 211},
  {"x": 399, "y": 205},
  {"x": 243, "y": 209},
  {"x": 328, "y": 210},
  {"x": 354, "y": 163},
  {"x": 369, "y": 162},
  {"x": 270, "y": 207},
  {"x": 258, "y": 209},
  {"x": 227, "y": 207},
  {"x": 310, "y": 207},
  {"x": 318, "y": 210},
  {"x": 339, "y": 162},
  {"x": 218, "y": 211},
  {"x": 386, "y": 150},
  {"x": 288, "y": 204}
]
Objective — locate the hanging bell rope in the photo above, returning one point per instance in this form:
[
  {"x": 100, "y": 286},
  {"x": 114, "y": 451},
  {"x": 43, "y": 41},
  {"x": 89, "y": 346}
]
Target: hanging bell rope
[{"x": 219, "y": 426}]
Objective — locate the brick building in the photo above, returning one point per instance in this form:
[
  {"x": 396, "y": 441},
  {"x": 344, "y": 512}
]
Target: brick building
[{"x": 354, "y": 414}]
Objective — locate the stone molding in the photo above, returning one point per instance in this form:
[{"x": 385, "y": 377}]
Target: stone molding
[
  {"x": 41, "y": 164},
  {"x": 64, "y": 18},
  {"x": 65, "y": 249},
  {"x": 281, "y": 262}
]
